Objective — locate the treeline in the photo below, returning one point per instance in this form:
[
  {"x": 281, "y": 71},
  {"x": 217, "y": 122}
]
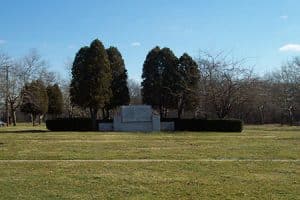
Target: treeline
[
  {"x": 27, "y": 85},
  {"x": 99, "y": 82},
  {"x": 206, "y": 87},
  {"x": 217, "y": 86}
]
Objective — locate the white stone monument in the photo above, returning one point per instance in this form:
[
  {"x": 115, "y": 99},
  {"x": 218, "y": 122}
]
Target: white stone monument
[{"x": 136, "y": 118}]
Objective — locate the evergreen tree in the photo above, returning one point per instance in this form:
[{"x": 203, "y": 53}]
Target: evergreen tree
[
  {"x": 188, "y": 84},
  {"x": 170, "y": 78},
  {"x": 160, "y": 77},
  {"x": 34, "y": 99},
  {"x": 120, "y": 92},
  {"x": 55, "y": 99},
  {"x": 151, "y": 79},
  {"x": 91, "y": 79}
]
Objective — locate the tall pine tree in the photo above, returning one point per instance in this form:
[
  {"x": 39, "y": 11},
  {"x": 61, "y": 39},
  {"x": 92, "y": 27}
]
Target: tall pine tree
[
  {"x": 91, "y": 79},
  {"x": 119, "y": 85},
  {"x": 170, "y": 79},
  {"x": 55, "y": 99},
  {"x": 160, "y": 77},
  {"x": 151, "y": 79}
]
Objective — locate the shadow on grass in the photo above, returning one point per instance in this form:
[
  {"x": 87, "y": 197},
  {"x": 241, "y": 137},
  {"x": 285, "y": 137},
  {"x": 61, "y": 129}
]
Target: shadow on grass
[{"x": 23, "y": 131}]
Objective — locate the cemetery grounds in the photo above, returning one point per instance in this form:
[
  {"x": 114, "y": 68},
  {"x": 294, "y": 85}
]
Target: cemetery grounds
[{"x": 262, "y": 162}]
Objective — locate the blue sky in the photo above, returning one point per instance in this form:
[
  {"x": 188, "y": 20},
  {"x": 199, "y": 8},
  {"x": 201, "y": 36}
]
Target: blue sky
[{"x": 265, "y": 32}]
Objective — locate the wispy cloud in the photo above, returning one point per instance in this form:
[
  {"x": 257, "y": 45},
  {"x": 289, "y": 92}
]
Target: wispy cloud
[
  {"x": 71, "y": 46},
  {"x": 2, "y": 41},
  {"x": 136, "y": 44},
  {"x": 284, "y": 17},
  {"x": 290, "y": 47}
]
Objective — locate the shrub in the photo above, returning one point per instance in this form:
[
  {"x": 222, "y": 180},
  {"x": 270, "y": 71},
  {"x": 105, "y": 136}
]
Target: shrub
[
  {"x": 85, "y": 124},
  {"x": 218, "y": 125},
  {"x": 72, "y": 124}
]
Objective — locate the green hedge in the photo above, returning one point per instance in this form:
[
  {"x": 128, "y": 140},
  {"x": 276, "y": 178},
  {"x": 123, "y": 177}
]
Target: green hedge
[
  {"x": 71, "y": 124},
  {"x": 85, "y": 124},
  {"x": 218, "y": 125}
]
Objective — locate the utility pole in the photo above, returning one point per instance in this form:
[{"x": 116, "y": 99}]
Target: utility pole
[{"x": 6, "y": 95}]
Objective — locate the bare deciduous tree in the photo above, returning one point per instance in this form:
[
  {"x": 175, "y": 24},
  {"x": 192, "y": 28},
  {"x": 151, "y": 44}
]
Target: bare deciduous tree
[
  {"x": 286, "y": 89},
  {"x": 223, "y": 83},
  {"x": 134, "y": 92},
  {"x": 17, "y": 74},
  {"x": 4, "y": 93}
]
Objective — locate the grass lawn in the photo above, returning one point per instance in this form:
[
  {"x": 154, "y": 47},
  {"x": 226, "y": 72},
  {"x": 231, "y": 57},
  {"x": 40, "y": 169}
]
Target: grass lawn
[{"x": 263, "y": 162}]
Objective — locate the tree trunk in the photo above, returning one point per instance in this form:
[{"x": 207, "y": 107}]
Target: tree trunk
[
  {"x": 13, "y": 114},
  {"x": 14, "y": 118},
  {"x": 70, "y": 111},
  {"x": 107, "y": 113},
  {"x": 179, "y": 114},
  {"x": 291, "y": 115},
  {"x": 165, "y": 113},
  {"x": 40, "y": 121},
  {"x": 180, "y": 108},
  {"x": 7, "y": 113},
  {"x": 281, "y": 118},
  {"x": 161, "y": 112},
  {"x": 103, "y": 113},
  {"x": 93, "y": 113},
  {"x": 180, "y": 111},
  {"x": 33, "y": 117},
  {"x": 262, "y": 116}
]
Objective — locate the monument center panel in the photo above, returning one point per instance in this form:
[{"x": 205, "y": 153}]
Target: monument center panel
[
  {"x": 133, "y": 118},
  {"x": 136, "y": 114}
]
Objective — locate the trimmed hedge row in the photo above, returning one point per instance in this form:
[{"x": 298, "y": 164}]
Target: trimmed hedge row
[
  {"x": 85, "y": 124},
  {"x": 218, "y": 125},
  {"x": 71, "y": 124}
]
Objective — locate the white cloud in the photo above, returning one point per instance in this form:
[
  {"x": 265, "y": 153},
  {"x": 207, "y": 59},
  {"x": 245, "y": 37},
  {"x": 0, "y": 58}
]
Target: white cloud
[
  {"x": 2, "y": 41},
  {"x": 284, "y": 17},
  {"x": 290, "y": 47},
  {"x": 135, "y": 44},
  {"x": 72, "y": 47}
]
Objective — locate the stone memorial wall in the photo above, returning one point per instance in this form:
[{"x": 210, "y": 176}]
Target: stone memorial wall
[{"x": 134, "y": 118}]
